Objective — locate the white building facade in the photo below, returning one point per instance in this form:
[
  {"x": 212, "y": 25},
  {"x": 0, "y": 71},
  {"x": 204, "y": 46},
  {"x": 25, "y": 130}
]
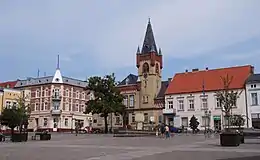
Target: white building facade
[
  {"x": 195, "y": 93},
  {"x": 253, "y": 97},
  {"x": 187, "y": 105}
]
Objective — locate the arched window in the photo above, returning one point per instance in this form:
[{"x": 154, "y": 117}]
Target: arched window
[
  {"x": 157, "y": 68},
  {"x": 145, "y": 67}
]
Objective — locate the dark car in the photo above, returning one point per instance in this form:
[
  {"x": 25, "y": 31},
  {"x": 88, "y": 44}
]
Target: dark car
[{"x": 175, "y": 129}]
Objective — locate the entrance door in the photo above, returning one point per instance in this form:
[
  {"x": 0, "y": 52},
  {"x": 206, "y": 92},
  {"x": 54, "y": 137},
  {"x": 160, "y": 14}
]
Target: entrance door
[
  {"x": 217, "y": 123},
  {"x": 55, "y": 124}
]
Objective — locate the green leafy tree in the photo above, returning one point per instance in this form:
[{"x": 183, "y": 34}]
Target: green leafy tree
[
  {"x": 107, "y": 97},
  {"x": 16, "y": 116},
  {"x": 227, "y": 99},
  {"x": 194, "y": 123}
]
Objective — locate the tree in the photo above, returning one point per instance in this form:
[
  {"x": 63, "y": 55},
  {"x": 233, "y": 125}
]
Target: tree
[
  {"x": 194, "y": 124},
  {"x": 16, "y": 116},
  {"x": 227, "y": 98},
  {"x": 238, "y": 120},
  {"x": 107, "y": 97}
]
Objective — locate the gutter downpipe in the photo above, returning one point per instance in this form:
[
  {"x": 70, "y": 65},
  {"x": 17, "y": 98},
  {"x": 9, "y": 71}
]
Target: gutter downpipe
[{"x": 247, "y": 124}]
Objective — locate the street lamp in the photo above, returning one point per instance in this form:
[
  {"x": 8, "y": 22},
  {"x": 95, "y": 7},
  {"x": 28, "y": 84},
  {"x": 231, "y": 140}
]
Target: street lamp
[{"x": 208, "y": 116}]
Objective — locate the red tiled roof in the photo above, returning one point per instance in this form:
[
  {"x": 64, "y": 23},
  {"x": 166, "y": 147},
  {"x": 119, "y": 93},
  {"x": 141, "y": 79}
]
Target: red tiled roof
[
  {"x": 190, "y": 82},
  {"x": 9, "y": 84}
]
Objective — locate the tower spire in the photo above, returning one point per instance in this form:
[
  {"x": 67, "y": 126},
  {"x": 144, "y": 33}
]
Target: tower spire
[
  {"x": 149, "y": 42},
  {"x": 138, "y": 50}
]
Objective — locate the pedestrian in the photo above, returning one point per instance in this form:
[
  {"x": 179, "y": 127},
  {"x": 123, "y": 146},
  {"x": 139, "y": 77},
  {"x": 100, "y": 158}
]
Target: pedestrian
[
  {"x": 167, "y": 132},
  {"x": 162, "y": 129},
  {"x": 77, "y": 130}
]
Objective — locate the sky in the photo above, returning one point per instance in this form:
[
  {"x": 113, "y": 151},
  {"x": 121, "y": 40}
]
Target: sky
[{"x": 97, "y": 37}]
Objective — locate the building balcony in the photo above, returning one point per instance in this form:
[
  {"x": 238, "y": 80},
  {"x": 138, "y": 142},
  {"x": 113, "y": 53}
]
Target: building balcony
[
  {"x": 56, "y": 112},
  {"x": 169, "y": 111},
  {"x": 56, "y": 98}
]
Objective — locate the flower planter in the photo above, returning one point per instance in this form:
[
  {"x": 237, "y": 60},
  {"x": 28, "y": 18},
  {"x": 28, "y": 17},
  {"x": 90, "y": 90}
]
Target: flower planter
[
  {"x": 19, "y": 137},
  {"x": 230, "y": 139},
  {"x": 45, "y": 136},
  {"x": 242, "y": 138}
]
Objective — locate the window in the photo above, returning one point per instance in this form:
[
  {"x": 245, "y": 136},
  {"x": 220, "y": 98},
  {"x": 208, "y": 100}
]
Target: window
[
  {"x": 170, "y": 104},
  {"x": 56, "y": 92},
  {"x": 14, "y": 104},
  {"x": 205, "y": 121},
  {"x": 253, "y": 85},
  {"x": 67, "y": 106},
  {"x": 37, "y": 93},
  {"x": 146, "y": 118},
  {"x": 45, "y": 105},
  {"x": 126, "y": 101},
  {"x": 191, "y": 104},
  {"x": 36, "y": 106},
  {"x": 77, "y": 95},
  {"x": 145, "y": 67},
  {"x": 117, "y": 119},
  {"x": 133, "y": 117},
  {"x": 94, "y": 121},
  {"x": 46, "y": 92},
  {"x": 157, "y": 68},
  {"x": 254, "y": 99},
  {"x": 66, "y": 122},
  {"x": 181, "y": 105},
  {"x": 77, "y": 107},
  {"x": 82, "y": 108},
  {"x": 184, "y": 121},
  {"x": 8, "y": 104},
  {"x": 218, "y": 104},
  {"x": 83, "y": 95},
  {"x": 160, "y": 118},
  {"x": 45, "y": 122},
  {"x": 67, "y": 93},
  {"x": 131, "y": 104},
  {"x": 42, "y": 107},
  {"x": 204, "y": 103}
]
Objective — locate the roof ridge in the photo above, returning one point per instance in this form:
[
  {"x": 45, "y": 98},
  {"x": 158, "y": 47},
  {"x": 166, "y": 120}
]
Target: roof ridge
[{"x": 215, "y": 69}]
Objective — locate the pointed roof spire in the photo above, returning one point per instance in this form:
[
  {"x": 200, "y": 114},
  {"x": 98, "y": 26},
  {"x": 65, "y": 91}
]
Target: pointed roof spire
[
  {"x": 160, "y": 51},
  {"x": 138, "y": 50},
  {"x": 149, "y": 41},
  {"x": 57, "y": 78}
]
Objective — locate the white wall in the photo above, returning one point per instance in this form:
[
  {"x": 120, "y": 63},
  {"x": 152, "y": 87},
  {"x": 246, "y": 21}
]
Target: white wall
[
  {"x": 253, "y": 109},
  {"x": 199, "y": 112}
]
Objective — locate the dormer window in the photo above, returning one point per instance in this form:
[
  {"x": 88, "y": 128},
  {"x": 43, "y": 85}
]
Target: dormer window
[
  {"x": 57, "y": 79},
  {"x": 127, "y": 81}
]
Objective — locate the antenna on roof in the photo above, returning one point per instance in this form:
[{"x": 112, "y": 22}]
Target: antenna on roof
[{"x": 38, "y": 73}]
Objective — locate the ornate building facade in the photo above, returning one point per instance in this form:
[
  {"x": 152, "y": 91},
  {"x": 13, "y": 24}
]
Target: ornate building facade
[{"x": 57, "y": 102}]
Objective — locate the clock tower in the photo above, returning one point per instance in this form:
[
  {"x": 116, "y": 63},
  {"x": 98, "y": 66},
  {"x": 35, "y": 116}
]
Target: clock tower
[{"x": 149, "y": 64}]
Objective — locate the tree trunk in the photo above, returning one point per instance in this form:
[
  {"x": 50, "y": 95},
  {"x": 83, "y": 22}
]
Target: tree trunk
[
  {"x": 12, "y": 132},
  {"x": 106, "y": 125}
]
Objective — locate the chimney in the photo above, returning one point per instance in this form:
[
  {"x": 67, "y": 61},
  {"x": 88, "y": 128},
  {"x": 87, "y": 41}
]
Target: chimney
[{"x": 195, "y": 69}]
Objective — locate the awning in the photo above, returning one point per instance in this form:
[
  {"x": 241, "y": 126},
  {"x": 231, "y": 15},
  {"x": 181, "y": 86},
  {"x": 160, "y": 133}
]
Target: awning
[{"x": 217, "y": 117}]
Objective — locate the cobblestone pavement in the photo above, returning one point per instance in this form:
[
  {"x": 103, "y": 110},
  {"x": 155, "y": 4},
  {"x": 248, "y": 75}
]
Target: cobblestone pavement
[{"x": 106, "y": 147}]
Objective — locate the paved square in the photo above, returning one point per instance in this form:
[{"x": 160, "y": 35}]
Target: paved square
[{"x": 106, "y": 147}]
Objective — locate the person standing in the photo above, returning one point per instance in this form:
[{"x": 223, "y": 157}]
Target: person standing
[
  {"x": 167, "y": 132},
  {"x": 77, "y": 129}
]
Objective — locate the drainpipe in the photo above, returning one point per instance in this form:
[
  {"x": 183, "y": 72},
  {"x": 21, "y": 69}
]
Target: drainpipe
[{"x": 246, "y": 109}]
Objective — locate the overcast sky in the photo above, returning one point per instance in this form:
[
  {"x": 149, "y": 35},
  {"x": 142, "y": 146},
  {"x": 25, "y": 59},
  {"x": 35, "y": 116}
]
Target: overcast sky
[{"x": 98, "y": 37}]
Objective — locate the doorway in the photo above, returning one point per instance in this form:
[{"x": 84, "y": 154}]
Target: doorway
[
  {"x": 55, "y": 124},
  {"x": 217, "y": 123}
]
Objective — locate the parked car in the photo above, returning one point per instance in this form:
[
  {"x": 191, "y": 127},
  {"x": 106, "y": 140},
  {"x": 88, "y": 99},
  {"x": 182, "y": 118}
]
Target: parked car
[{"x": 175, "y": 129}]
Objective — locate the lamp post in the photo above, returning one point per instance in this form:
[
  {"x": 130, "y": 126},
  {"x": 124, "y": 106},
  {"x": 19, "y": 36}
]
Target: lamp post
[{"x": 208, "y": 116}]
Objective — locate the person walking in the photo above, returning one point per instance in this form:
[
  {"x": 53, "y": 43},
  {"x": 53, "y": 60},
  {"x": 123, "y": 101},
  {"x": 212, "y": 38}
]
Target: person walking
[
  {"x": 77, "y": 129},
  {"x": 167, "y": 132}
]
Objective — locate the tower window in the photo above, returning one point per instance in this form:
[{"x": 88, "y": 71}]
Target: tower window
[
  {"x": 157, "y": 68},
  {"x": 145, "y": 67}
]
